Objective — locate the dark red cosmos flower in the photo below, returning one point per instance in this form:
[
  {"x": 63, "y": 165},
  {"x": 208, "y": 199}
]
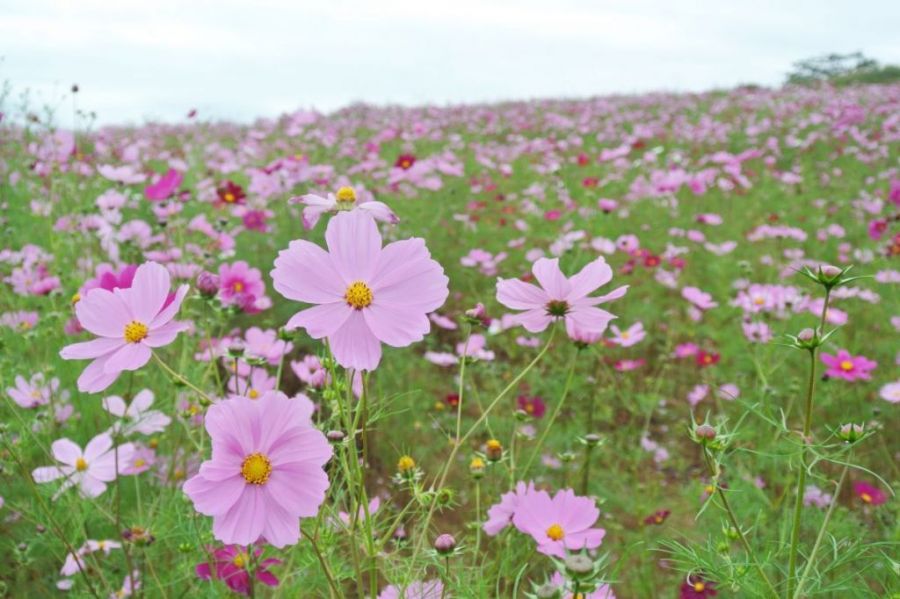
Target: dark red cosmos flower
[
  {"x": 405, "y": 161},
  {"x": 705, "y": 358},
  {"x": 657, "y": 517},
  {"x": 697, "y": 588},
  {"x": 532, "y": 405},
  {"x": 677, "y": 262},
  {"x": 583, "y": 159},
  {"x": 452, "y": 399},
  {"x": 590, "y": 182},
  {"x": 651, "y": 261},
  {"x": 231, "y": 193}
]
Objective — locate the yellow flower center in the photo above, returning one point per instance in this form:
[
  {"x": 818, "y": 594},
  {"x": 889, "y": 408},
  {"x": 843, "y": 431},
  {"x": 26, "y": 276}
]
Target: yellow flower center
[
  {"x": 80, "y": 465},
  {"x": 710, "y": 489},
  {"x": 101, "y": 545},
  {"x": 228, "y": 197},
  {"x": 493, "y": 445},
  {"x": 405, "y": 464},
  {"x": 625, "y": 335},
  {"x": 866, "y": 497},
  {"x": 555, "y": 532},
  {"x": 135, "y": 331},
  {"x": 846, "y": 365},
  {"x": 240, "y": 560},
  {"x": 237, "y": 286},
  {"x": 759, "y": 301},
  {"x": 256, "y": 469},
  {"x": 699, "y": 587},
  {"x": 253, "y": 394},
  {"x": 139, "y": 462},
  {"x": 358, "y": 295},
  {"x": 346, "y": 195},
  {"x": 76, "y": 298}
]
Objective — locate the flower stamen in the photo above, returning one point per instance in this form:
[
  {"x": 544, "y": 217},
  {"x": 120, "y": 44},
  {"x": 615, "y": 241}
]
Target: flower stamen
[
  {"x": 358, "y": 295},
  {"x": 256, "y": 469},
  {"x": 135, "y": 331}
]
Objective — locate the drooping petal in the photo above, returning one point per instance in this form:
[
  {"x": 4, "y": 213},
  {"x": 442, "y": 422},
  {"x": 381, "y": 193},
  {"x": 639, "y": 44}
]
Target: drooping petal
[
  {"x": 91, "y": 349},
  {"x": 94, "y": 378},
  {"x": 354, "y": 345},
  {"x": 168, "y": 313}
]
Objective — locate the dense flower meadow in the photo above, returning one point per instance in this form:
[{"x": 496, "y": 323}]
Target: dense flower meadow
[{"x": 622, "y": 347}]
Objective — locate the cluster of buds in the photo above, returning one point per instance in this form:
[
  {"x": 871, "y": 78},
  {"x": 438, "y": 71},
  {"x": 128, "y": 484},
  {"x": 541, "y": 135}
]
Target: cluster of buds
[
  {"x": 851, "y": 433},
  {"x": 708, "y": 436}
]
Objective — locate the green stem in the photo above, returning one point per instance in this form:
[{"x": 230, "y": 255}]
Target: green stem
[
  {"x": 821, "y": 535},
  {"x": 801, "y": 476},
  {"x": 179, "y": 378},
  {"x": 459, "y": 443},
  {"x": 734, "y": 522},
  {"x": 559, "y": 405}
]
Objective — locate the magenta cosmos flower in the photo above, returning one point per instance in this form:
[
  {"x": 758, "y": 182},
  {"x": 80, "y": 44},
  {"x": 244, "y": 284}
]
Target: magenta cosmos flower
[
  {"x": 128, "y": 323},
  {"x": 265, "y": 472},
  {"x": 563, "y": 522},
  {"x": 842, "y": 365},
  {"x": 561, "y": 297},
  {"x": 230, "y": 564},
  {"x": 366, "y": 295}
]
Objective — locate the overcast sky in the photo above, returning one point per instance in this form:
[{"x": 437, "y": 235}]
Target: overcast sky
[{"x": 239, "y": 60}]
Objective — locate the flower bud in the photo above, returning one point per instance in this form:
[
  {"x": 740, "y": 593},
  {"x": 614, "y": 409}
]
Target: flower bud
[
  {"x": 806, "y": 335},
  {"x": 830, "y": 271},
  {"x": 493, "y": 450},
  {"x": 851, "y": 433},
  {"x": 705, "y": 432},
  {"x": 208, "y": 283},
  {"x": 578, "y": 566},
  {"x": 335, "y": 436},
  {"x": 445, "y": 544},
  {"x": 405, "y": 464},
  {"x": 476, "y": 467}
]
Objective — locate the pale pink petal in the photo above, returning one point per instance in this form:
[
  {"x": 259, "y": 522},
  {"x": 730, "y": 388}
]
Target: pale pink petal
[
  {"x": 551, "y": 278},
  {"x": 354, "y": 244},
  {"x": 243, "y": 523},
  {"x": 103, "y": 313},
  {"x": 305, "y": 272},
  {"x": 94, "y": 378},
  {"x": 46, "y": 474},
  {"x": 594, "y": 275},
  {"x": 115, "y": 405},
  {"x": 65, "y": 451},
  {"x": 396, "y": 326},
  {"x": 520, "y": 295},
  {"x": 91, "y": 349},
  {"x": 602, "y": 299},
  {"x": 354, "y": 345},
  {"x": 149, "y": 291},
  {"x": 535, "y": 320},
  {"x": 321, "y": 321},
  {"x": 380, "y": 211},
  {"x": 165, "y": 334},
  {"x": 130, "y": 356},
  {"x": 97, "y": 446},
  {"x": 91, "y": 487},
  {"x": 169, "y": 312},
  {"x": 588, "y": 319},
  {"x": 212, "y": 498}
]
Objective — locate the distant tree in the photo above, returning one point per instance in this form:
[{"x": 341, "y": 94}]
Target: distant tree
[{"x": 842, "y": 69}]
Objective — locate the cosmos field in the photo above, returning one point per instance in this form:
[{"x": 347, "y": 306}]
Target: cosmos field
[{"x": 632, "y": 346}]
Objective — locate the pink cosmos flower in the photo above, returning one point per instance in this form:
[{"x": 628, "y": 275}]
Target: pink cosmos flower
[
  {"x": 310, "y": 371},
  {"x": 630, "y": 336},
  {"x": 345, "y": 199},
  {"x": 890, "y": 392},
  {"x": 242, "y": 286},
  {"x": 90, "y": 469},
  {"x": 265, "y": 472},
  {"x": 561, "y": 297},
  {"x": 430, "y": 589},
  {"x": 33, "y": 393},
  {"x": 365, "y": 294},
  {"x": 164, "y": 188},
  {"x": 850, "y": 368},
  {"x": 129, "y": 323},
  {"x": 136, "y": 417},
  {"x": 699, "y": 298},
  {"x": 563, "y": 522},
  {"x": 231, "y": 564},
  {"x": 500, "y": 515},
  {"x": 75, "y": 562}
]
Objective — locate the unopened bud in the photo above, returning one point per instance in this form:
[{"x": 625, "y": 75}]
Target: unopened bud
[
  {"x": 579, "y": 565},
  {"x": 208, "y": 283},
  {"x": 493, "y": 450},
  {"x": 445, "y": 544},
  {"x": 851, "y": 433},
  {"x": 830, "y": 271},
  {"x": 705, "y": 432},
  {"x": 335, "y": 436},
  {"x": 806, "y": 335}
]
